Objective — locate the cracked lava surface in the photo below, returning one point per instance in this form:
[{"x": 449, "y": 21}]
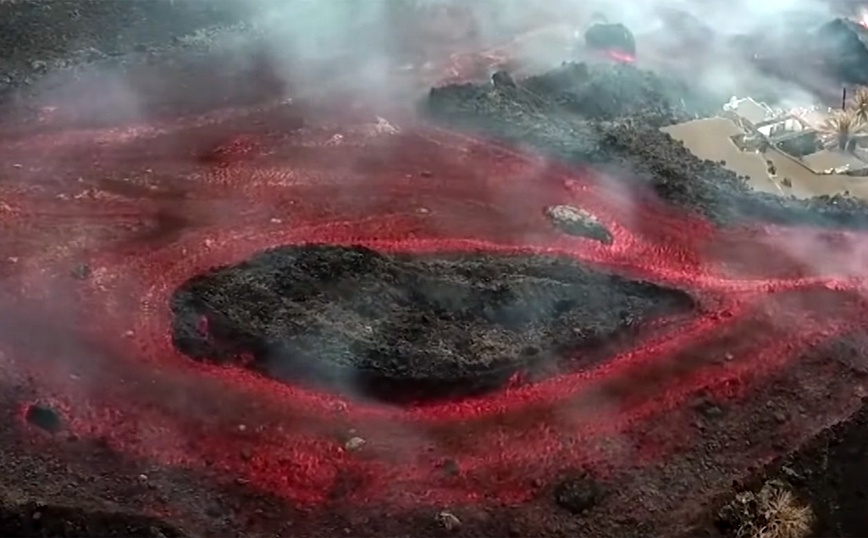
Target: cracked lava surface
[{"x": 146, "y": 207}]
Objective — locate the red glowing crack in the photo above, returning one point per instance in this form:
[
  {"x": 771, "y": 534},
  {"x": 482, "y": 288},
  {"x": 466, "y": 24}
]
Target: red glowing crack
[{"x": 123, "y": 381}]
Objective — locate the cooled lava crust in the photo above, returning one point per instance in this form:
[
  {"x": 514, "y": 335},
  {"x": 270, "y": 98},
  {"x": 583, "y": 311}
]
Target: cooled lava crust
[
  {"x": 102, "y": 225},
  {"x": 395, "y": 326}
]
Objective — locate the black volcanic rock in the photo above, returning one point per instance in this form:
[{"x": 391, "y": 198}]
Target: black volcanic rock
[
  {"x": 604, "y": 36},
  {"x": 406, "y": 326},
  {"x": 577, "y": 493},
  {"x": 842, "y": 44},
  {"x": 502, "y": 79},
  {"x": 44, "y": 417}
]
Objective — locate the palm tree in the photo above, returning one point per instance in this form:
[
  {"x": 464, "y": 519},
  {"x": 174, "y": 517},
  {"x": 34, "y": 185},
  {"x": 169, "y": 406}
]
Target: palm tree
[
  {"x": 859, "y": 104},
  {"x": 842, "y": 130}
]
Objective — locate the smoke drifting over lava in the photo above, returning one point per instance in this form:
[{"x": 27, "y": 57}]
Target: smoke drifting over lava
[
  {"x": 190, "y": 187},
  {"x": 386, "y": 52}
]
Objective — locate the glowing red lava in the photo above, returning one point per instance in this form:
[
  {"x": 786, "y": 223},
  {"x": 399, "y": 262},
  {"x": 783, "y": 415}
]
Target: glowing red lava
[
  {"x": 149, "y": 212},
  {"x": 620, "y": 56}
]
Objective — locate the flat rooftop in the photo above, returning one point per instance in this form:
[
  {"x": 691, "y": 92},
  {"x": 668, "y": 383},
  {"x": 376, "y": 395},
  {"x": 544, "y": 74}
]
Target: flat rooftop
[
  {"x": 750, "y": 110},
  {"x": 711, "y": 139},
  {"x": 830, "y": 160}
]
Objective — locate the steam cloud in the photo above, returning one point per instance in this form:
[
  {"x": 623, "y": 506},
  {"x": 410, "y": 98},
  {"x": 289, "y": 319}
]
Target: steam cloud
[{"x": 377, "y": 35}]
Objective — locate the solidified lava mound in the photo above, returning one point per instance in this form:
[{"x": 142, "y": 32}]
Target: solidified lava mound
[
  {"x": 405, "y": 326},
  {"x": 842, "y": 43},
  {"x": 800, "y": 51},
  {"x": 609, "y": 116},
  {"x": 603, "y": 36},
  {"x": 610, "y": 91}
]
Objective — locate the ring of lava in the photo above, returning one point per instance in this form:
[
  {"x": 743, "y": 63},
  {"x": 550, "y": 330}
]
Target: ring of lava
[{"x": 242, "y": 182}]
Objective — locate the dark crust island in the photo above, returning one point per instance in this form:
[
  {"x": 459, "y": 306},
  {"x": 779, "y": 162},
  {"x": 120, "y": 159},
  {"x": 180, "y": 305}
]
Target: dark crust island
[{"x": 405, "y": 326}]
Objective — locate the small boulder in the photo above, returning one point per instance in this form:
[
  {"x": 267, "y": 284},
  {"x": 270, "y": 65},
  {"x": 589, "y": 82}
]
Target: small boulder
[
  {"x": 44, "y": 417},
  {"x": 577, "y": 493},
  {"x": 502, "y": 79}
]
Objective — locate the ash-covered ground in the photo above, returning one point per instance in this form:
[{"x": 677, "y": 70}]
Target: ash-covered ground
[{"x": 39, "y": 39}]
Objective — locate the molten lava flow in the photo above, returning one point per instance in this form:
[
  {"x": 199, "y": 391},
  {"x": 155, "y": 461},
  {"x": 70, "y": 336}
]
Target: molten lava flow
[
  {"x": 863, "y": 16},
  {"x": 620, "y": 56},
  {"x": 99, "y": 346}
]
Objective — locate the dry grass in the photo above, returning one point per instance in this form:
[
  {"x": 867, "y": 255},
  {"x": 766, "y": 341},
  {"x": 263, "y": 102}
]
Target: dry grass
[
  {"x": 784, "y": 515},
  {"x": 774, "y": 512}
]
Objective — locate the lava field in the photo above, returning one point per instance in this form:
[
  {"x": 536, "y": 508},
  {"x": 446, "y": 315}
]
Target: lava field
[{"x": 523, "y": 311}]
